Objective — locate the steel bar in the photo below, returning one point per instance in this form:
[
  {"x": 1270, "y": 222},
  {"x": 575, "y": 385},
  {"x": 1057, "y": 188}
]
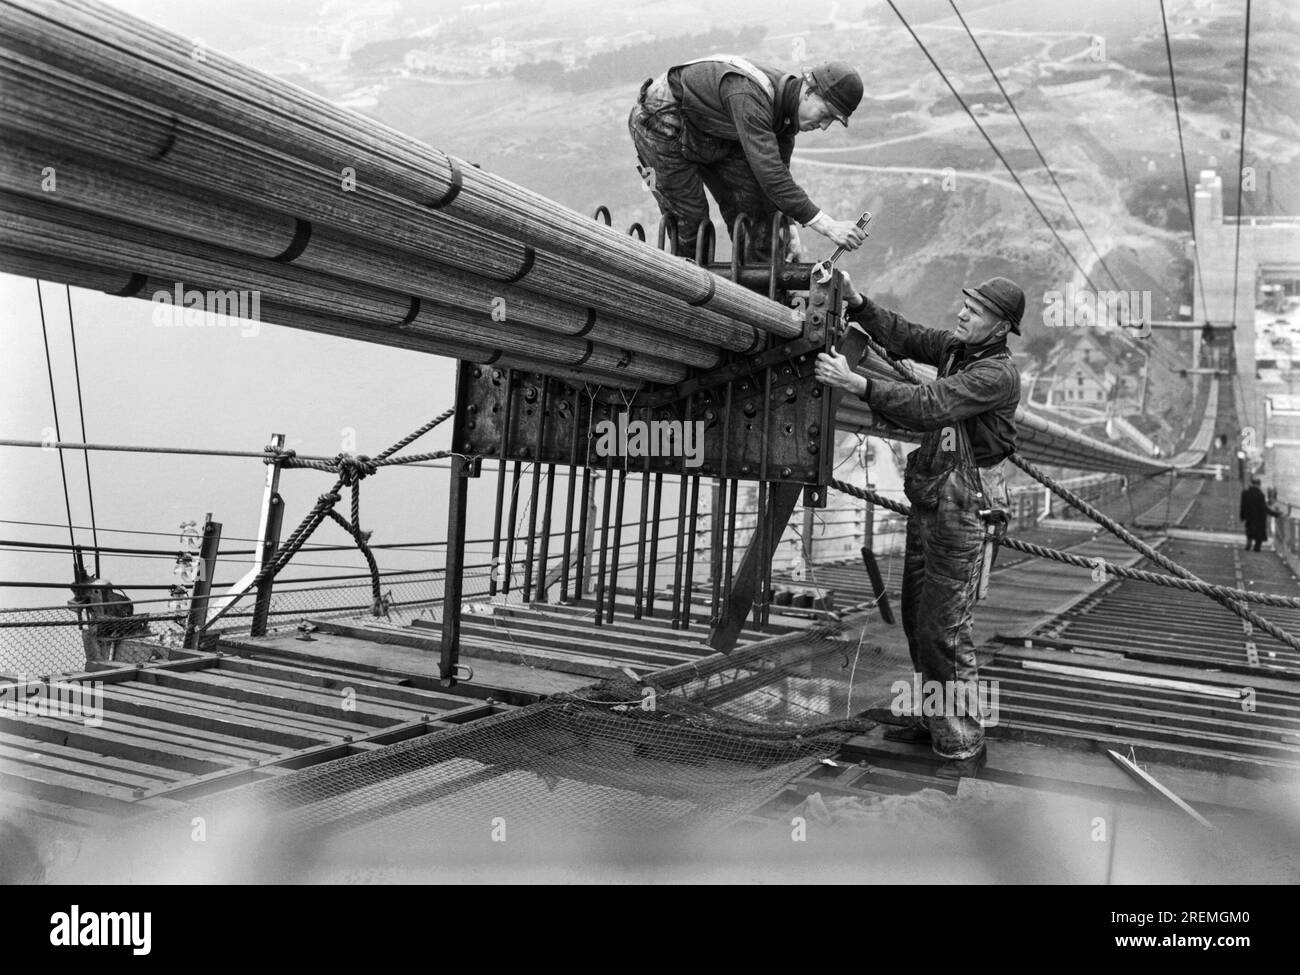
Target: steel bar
[
  {"x": 677, "y": 558},
  {"x": 639, "y": 592},
  {"x": 654, "y": 545},
  {"x": 509, "y": 565},
  {"x": 690, "y": 554},
  {"x": 544, "y": 555},
  {"x": 604, "y": 543},
  {"x": 618, "y": 542}
]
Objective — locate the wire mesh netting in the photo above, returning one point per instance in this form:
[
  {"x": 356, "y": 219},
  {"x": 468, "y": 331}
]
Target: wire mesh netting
[{"x": 686, "y": 753}]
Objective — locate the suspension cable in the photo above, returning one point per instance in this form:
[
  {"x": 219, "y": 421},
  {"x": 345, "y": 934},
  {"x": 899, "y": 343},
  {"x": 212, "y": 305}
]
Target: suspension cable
[
  {"x": 992, "y": 145},
  {"x": 81, "y": 411},
  {"x": 1182, "y": 152},
  {"x": 1241, "y": 165},
  {"x": 1041, "y": 158},
  {"x": 49, "y": 368}
]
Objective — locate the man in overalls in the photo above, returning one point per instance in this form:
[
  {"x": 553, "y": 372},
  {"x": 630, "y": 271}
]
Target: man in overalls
[
  {"x": 956, "y": 484},
  {"x": 728, "y": 124}
]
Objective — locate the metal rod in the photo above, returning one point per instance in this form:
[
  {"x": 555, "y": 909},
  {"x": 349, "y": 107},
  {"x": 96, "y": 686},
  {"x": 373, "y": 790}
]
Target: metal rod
[
  {"x": 546, "y": 534},
  {"x": 568, "y": 502},
  {"x": 677, "y": 558},
  {"x": 731, "y": 538},
  {"x": 638, "y": 595},
  {"x": 618, "y": 541},
  {"x": 529, "y": 548},
  {"x": 717, "y": 525},
  {"x": 604, "y": 544},
  {"x": 501, "y": 481},
  {"x": 654, "y": 546},
  {"x": 690, "y": 553},
  {"x": 510, "y": 526},
  {"x": 584, "y": 544},
  {"x": 759, "y": 538}
]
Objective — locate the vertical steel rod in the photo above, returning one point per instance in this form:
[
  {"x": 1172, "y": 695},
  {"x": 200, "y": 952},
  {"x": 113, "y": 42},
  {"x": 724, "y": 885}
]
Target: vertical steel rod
[
  {"x": 501, "y": 483},
  {"x": 640, "y": 542},
  {"x": 580, "y": 563},
  {"x": 690, "y": 553},
  {"x": 510, "y": 526},
  {"x": 677, "y": 559},
  {"x": 546, "y": 535},
  {"x": 529, "y": 548},
  {"x": 618, "y": 542},
  {"x": 654, "y": 546},
  {"x": 604, "y": 545},
  {"x": 731, "y": 542}
]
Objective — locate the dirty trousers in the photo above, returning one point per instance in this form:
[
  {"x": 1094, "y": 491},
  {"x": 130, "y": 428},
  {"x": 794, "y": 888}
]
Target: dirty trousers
[
  {"x": 941, "y": 571},
  {"x": 676, "y": 169}
]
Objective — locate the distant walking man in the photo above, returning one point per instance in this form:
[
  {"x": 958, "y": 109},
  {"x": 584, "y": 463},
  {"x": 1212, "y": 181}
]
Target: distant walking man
[
  {"x": 729, "y": 124},
  {"x": 957, "y": 486},
  {"x": 1254, "y": 512}
]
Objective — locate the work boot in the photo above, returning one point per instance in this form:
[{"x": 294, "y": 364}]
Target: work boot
[
  {"x": 963, "y": 768},
  {"x": 915, "y": 732}
]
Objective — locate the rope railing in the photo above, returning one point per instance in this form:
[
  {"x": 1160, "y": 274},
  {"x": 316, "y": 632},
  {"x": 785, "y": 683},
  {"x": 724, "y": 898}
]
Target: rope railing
[
  {"x": 1233, "y": 600},
  {"x": 1093, "y": 562},
  {"x": 351, "y": 470}
]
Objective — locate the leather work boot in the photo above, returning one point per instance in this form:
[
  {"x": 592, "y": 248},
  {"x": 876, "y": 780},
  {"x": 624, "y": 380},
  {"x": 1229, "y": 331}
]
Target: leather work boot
[
  {"x": 912, "y": 733},
  {"x": 962, "y": 768}
]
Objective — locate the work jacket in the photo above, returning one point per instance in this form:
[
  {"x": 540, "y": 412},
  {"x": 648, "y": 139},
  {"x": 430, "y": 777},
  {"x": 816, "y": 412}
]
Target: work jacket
[
  {"x": 722, "y": 107},
  {"x": 977, "y": 386}
]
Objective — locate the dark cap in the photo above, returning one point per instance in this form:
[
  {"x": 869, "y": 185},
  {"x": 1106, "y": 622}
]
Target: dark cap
[
  {"x": 1003, "y": 296},
  {"x": 839, "y": 83}
]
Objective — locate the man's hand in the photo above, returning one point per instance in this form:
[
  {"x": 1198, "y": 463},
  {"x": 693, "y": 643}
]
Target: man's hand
[
  {"x": 844, "y": 233},
  {"x": 851, "y": 294},
  {"x": 833, "y": 370}
]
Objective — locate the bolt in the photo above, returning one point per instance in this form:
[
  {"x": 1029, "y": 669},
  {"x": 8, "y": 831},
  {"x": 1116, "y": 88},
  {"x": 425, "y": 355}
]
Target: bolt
[
  {"x": 530, "y": 394},
  {"x": 786, "y": 472},
  {"x": 466, "y": 447},
  {"x": 812, "y": 447},
  {"x": 814, "y": 430},
  {"x": 478, "y": 373},
  {"x": 470, "y": 424},
  {"x": 744, "y": 469}
]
